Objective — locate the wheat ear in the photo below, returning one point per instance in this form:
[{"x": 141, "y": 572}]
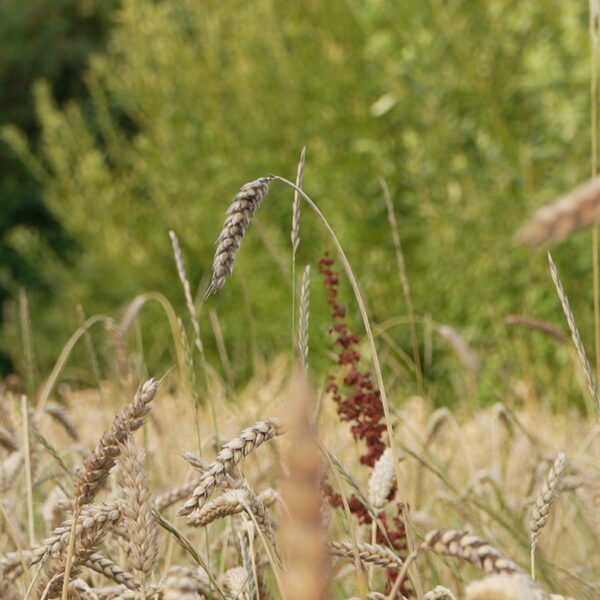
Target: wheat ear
[
  {"x": 139, "y": 520},
  {"x": 304, "y": 317},
  {"x": 94, "y": 472},
  {"x": 374, "y": 554},
  {"x": 181, "y": 583},
  {"x": 239, "y": 216},
  {"x": 231, "y": 454},
  {"x": 544, "y": 502},
  {"x": 503, "y": 587},
  {"x": 554, "y": 222}
]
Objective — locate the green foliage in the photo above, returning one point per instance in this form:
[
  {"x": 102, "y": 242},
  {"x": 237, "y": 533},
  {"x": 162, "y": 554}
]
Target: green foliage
[
  {"x": 474, "y": 113},
  {"x": 49, "y": 40}
]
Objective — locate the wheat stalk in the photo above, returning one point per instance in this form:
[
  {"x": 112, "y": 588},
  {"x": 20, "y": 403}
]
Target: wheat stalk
[
  {"x": 231, "y": 454},
  {"x": 239, "y": 216}
]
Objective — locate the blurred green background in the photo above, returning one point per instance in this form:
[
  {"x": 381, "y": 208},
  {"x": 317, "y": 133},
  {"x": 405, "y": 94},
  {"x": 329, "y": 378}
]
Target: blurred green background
[{"x": 123, "y": 120}]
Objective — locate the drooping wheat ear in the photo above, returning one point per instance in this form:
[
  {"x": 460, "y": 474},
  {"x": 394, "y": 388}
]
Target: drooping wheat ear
[
  {"x": 439, "y": 592},
  {"x": 546, "y": 498},
  {"x": 302, "y": 537},
  {"x": 100, "y": 564},
  {"x": 139, "y": 520},
  {"x": 94, "y": 472},
  {"x": 374, "y": 554},
  {"x": 304, "y": 317},
  {"x": 438, "y": 418},
  {"x": 239, "y": 217},
  {"x": 187, "y": 290},
  {"x": 93, "y": 521},
  {"x": 460, "y": 346},
  {"x": 295, "y": 233},
  {"x": 555, "y": 221},
  {"x": 462, "y": 545},
  {"x": 231, "y": 454},
  {"x": 382, "y": 479},
  {"x": 181, "y": 584},
  {"x": 581, "y": 353},
  {"x": 60, "y": 414}
]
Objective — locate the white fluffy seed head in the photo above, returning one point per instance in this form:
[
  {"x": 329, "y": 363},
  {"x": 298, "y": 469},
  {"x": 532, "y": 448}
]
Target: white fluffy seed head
[
  {"x": 502, "y": 587},
  {"x": 382, "y": 480}
]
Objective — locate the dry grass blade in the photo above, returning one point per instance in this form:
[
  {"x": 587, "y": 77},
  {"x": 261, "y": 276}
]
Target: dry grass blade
[
  {"x": 583, "y": 359},
  {"x": 239, "y": 216},
  {"x": 556, "y": 221},
  {"x": 302, "y": 537},
  {"x": 231, "y": 454},
  {"x": 374, "y": 554}
]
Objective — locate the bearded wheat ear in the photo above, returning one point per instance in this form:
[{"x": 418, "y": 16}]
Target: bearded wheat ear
[
  {"x": 544, "y": 503},
  {"x": 439, "y": 592},
  {"x": 239, "y": 216}
]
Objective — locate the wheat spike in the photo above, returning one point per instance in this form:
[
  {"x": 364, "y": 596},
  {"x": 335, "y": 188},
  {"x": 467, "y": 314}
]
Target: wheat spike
[
  {"x": 304, "y": 317},
  {"x": 187, "y": 290},
  {"x": 554, "y": 222},
  {"x": 295, "y": 233},
  {"x": 181, "y": 584},
  {"x": 374, "y": 554},
  {"x": 138, "y": 518},
  {"x": 100, "y": 564},
  {"x": 239, "y": 216},
  {"x": 94, "y": 472},
  {"x": 235, "y": 582},
  {"x": 10, "y": 469},
  {"x": 231, "y": 454},
  {"x": 60, "y": 414},
  {"x": 581, "y": 353}
]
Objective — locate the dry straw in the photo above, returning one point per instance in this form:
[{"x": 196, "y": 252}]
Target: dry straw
[
  {"x": 546, "y": 498},
  {"x": 556, "y": 221},
  {"x": 239, "y": 216},
  {"x": 581, "y": 353}
]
